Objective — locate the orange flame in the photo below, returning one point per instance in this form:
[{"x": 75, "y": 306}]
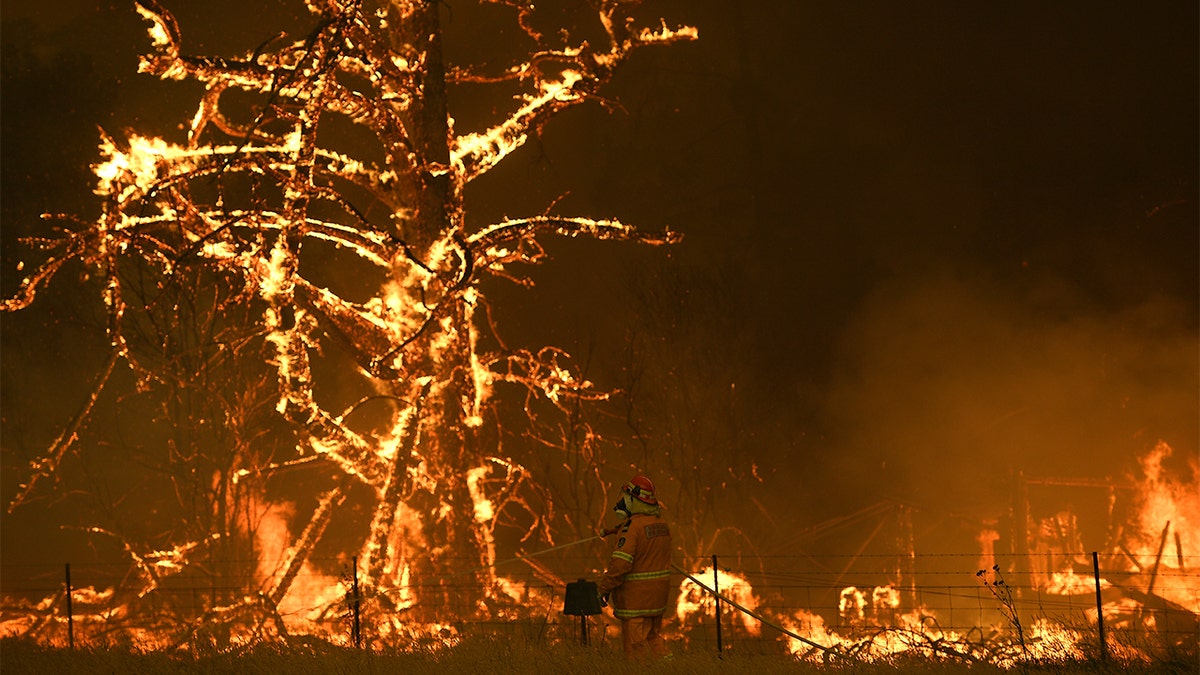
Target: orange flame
[{"x": 695, "y": 602}]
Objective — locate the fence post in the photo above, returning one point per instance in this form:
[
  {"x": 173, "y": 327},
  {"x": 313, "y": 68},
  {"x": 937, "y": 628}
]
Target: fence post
[
  {"x": 70, "y": 612},
  {"x": 1020, "y": 544},
  {"x": 1099, "y": 606},
  {"x": 717, "y": 597},
  {"x": 355, "y": 607}
]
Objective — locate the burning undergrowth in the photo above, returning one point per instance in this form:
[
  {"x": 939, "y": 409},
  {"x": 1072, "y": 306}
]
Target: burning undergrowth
[{"x": 1147, "y": 590}]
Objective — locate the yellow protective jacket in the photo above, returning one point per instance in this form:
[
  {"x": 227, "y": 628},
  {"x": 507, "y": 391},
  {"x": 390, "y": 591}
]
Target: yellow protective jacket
[{"x": 639, "y": 568}]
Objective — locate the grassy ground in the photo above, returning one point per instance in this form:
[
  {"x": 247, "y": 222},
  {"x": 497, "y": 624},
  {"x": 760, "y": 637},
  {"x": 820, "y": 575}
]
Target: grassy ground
[{"x": 484, "y": 656}]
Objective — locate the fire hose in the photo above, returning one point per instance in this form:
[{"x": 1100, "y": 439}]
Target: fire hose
[
  {"x": 828, "y": 650},
  {"x": 533, "y": 555},
  {"x": 760, "y": 618}
]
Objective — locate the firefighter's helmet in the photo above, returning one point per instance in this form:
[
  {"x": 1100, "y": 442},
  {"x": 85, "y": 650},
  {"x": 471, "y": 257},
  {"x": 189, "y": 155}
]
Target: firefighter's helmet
[{"x": 642, "y": 489}]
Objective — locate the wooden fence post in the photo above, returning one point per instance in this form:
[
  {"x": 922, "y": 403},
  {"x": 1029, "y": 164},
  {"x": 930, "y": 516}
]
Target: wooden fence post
[
  {"x": 356, "y": 608},
  {"x": 70, "y": 612}
]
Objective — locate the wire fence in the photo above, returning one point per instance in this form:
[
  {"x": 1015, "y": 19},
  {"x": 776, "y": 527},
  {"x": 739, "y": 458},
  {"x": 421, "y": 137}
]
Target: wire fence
[{"x": 820, "y": 598}]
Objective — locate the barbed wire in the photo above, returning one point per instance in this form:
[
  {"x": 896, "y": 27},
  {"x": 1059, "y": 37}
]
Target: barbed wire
[{"x": 953, "y": 594}]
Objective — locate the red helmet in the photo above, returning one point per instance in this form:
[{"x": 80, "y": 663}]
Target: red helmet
[{"x": 641, "y": 488}]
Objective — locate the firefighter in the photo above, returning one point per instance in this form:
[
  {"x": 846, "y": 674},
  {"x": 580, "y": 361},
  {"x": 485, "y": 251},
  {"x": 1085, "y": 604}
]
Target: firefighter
[{"x": 638, "y": 571}]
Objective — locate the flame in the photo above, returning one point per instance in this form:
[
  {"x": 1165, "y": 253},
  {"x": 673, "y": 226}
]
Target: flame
[
  {"x": 476, "y": 152},
  {"x": 304, "y": 606},
  {"x": 811, "y": 627},
  {"x": 1164, "y": 529},
  {"x": 852, "y": 605},
  {"x": 695, "y": 602},
  {"x": 874, "y": 631},
  {"x": 484, "y": 509},
  {"x": 1070, "y": 583},
  {"x": 987, "y": 546},
  {"x": 136, "y": 170},
  {"x": 1167, "y": 503}
]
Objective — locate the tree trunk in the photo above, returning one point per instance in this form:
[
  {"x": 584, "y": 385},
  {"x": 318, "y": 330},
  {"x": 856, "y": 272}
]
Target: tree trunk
[{"x": 450, "y": 542}]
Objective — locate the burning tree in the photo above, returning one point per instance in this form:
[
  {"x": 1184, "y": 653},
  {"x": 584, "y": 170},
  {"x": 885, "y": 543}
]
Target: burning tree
[{"x": 296, "y": 284}]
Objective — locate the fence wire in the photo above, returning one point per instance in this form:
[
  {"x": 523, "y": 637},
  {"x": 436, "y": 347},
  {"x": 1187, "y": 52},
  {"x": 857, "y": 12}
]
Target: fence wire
[{"x": 823, "y": 596}]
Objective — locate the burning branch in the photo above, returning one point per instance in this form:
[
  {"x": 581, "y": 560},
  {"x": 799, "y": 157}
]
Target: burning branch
[
  {"x": 48, "y": 465},
  {"x": 225, "y": 226}
]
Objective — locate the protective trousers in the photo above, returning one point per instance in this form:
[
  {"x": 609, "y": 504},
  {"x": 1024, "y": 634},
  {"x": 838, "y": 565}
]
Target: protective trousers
[{"x": 642, "y": 636}]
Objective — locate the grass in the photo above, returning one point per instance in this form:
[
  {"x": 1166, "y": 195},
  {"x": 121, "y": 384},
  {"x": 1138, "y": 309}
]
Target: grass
[{"x": 482, "y": 656}]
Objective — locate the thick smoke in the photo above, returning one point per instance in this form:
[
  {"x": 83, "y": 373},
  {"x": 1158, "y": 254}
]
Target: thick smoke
[{"x": 945, "y": 386}]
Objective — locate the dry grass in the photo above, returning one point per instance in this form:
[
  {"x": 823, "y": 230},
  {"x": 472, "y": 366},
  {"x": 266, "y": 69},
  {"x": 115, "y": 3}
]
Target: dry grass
[{"x": 485, "y": 656}]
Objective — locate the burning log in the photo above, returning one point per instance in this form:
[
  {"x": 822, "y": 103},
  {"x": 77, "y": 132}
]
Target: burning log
[{"x": 1162, "y": 544}]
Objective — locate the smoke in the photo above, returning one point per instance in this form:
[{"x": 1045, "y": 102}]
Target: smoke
[{"x": 945, "y": 385}]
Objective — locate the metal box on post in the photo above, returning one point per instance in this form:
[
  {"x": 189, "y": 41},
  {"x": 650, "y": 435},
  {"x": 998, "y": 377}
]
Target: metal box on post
[{"x": 582, "y": 600}]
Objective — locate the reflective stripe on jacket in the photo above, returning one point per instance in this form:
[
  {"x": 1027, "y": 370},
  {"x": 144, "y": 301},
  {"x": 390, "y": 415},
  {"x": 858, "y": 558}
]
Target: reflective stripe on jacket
[{"x": 639, "y": 568}]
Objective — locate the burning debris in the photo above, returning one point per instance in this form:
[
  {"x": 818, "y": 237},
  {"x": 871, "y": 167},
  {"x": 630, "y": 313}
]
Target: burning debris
[
  {"x": 1050, "y": 618},
  {"x": 1142, "y": 565}
]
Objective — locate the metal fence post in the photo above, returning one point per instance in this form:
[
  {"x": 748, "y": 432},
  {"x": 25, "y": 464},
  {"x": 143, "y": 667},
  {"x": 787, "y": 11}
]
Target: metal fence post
[
  {"x": 1099, "y": 606},
  {"x": 717, "y": 597}
]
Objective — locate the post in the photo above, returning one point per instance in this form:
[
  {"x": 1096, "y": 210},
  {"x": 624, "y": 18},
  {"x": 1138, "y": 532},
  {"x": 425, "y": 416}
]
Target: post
[
  {"x": 717, "y": 597},
  {"x": 1162, "y": 544},
  {"x": 355, "y": 607},
  {"x": 213, "y": 600},
  {"x": 1099, "y": 606},
  {"x": 1020, "y": 543},
  {"x": 70, "y": 612},
  {"x": 906, "y": 567},
  {"x": 1022, "y": 583}
]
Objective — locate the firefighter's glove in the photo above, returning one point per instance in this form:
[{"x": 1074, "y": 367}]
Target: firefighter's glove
[{"x": 604, "y": 600}]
